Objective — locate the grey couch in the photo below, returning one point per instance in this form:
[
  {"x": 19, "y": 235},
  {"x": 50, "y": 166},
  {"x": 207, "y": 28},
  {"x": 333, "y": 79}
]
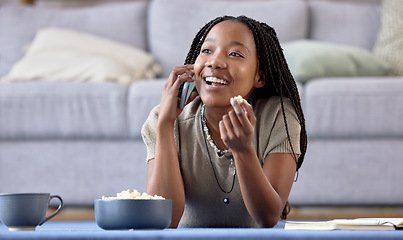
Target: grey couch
[{"x": 82, "y": 140}]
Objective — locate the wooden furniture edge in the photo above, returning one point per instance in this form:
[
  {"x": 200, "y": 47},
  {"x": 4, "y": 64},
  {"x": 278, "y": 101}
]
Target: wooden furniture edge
[{"x": 30, "y": 2}]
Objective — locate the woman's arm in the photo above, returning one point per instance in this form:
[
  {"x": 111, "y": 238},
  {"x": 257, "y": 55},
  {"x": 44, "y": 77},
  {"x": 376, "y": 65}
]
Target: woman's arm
[
  {"x": 164, "y": 176},
  {"x": 264, "y": 189}
]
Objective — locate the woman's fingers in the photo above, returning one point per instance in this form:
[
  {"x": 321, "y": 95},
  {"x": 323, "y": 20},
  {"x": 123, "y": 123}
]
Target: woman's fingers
[
  {"x": 169, "y": 109},
  {"x": 249, "y": 112},
  {"x": 181, "y": 74},
  {"x": 236, "y": 124},
  {"x": 244, "y": 114},
  {"x": 237, "y": 127},
  {"x": 228, "y": 127}
]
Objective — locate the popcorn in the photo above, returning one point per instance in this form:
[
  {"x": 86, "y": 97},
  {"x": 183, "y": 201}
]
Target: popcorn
[
  {"x": 239, "y": 99},
  {"x": 132, "y": 195}
]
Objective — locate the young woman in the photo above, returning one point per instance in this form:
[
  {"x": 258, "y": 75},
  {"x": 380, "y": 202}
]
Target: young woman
[{"x": 226, "y": 163}]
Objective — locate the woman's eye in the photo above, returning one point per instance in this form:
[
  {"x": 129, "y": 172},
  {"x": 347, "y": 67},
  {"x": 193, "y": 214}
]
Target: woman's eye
[
  {"x": 206, "y": 51},
  {"x": 234, "y": 54}
]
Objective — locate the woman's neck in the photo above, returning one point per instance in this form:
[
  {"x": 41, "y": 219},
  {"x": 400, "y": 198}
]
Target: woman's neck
[{"x": 213, "y": 117}]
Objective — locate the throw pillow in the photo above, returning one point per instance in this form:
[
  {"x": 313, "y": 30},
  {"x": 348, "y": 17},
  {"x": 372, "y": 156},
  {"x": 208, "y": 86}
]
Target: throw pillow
[
  {"x": 389, "y": 45},
  {"x": 63, "y": 54},
  {"x": 123, "y": 22},
  {"x": 310, "y": 59}
]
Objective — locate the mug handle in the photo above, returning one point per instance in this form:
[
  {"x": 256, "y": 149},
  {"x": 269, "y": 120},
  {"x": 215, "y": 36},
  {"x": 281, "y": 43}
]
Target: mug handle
[{"x": 57, "y": 210}]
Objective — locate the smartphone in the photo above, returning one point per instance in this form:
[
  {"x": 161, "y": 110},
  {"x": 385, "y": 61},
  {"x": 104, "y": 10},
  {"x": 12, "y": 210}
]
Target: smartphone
[{"x": 184, "y": 92}]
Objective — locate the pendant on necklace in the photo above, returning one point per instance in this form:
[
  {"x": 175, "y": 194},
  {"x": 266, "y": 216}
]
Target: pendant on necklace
[
  {"x": 231, "y": 168},
  {"x": 226, "y": 198}
]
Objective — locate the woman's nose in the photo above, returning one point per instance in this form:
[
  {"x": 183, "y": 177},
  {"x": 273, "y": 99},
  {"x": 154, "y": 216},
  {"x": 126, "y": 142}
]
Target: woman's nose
[{"x": 216, "y": 60}]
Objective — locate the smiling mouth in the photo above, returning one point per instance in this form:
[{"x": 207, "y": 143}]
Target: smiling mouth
[{"x": 211, "y": 80}]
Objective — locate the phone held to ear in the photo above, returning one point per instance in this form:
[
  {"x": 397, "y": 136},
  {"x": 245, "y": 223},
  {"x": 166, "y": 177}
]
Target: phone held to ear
[{"x": 184, "y": 92}]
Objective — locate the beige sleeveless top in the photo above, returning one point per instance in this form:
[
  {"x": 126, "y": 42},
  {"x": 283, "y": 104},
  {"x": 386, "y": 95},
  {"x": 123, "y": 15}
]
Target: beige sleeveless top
[{"x": 204, "y": 206}]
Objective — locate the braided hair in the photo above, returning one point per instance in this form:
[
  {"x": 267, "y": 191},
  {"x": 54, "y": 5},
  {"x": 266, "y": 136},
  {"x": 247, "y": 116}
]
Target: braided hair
[{"x": 277, "y": 75}]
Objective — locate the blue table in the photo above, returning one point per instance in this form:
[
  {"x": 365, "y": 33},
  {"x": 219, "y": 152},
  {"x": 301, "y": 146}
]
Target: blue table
[{"x": 90, "y": 230}]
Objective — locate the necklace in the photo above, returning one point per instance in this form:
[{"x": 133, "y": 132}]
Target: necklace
[
  {"x": 211, "y": 140},
  {"x": 231, "y": 169}
]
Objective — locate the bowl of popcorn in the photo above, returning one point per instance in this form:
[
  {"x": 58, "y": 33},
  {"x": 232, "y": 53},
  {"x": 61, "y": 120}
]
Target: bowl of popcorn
[{"x": 133, "y": 210}]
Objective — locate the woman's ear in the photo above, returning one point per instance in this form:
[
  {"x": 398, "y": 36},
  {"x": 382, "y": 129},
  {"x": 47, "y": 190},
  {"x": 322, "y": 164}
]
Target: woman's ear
[{"x": 260, "y": 80}]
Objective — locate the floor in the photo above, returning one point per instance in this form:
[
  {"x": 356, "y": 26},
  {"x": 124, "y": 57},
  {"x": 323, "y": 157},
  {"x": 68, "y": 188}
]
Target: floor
[{"x": 318, "y": 213}]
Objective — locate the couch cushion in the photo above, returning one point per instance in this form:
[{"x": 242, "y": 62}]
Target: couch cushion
[
  {"x": 124, "y": 23},
  {"x": 345, "y": 23},
  {"x": 173, "y": 28},
  {"x": 354, "y": 108},
  {"x": 79, "y": 171},
  {"x": 309, "y": 59},
  {"x": 350, "y": 172},
  {"x": 143, "y": 97},
  {"x": 36, "y": 110}
]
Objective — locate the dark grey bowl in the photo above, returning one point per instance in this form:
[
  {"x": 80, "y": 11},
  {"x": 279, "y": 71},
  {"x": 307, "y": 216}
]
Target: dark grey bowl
[{"x": 119, "y": 214}]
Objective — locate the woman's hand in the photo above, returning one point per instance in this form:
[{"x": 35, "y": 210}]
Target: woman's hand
[
  {"x": 169, "y": 109},
  {"x": 237, "y": 127}
]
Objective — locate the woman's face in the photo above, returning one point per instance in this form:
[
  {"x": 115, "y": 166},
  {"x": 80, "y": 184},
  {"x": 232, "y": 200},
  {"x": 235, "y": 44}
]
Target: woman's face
[{"x": 227, "y": 65}]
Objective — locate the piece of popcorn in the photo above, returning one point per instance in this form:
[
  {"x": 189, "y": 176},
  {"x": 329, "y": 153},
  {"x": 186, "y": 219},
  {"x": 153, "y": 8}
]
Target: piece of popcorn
[
  {"x": 239, "y": 99},
  {"x": 132, "y": 195}
]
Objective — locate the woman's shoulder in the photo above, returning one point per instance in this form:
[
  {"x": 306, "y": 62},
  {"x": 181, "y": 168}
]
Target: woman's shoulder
[
  {"x": 190, "y": 111},
  {"x": 272, "y": 100},
  {"x": 271, "y": 104}
]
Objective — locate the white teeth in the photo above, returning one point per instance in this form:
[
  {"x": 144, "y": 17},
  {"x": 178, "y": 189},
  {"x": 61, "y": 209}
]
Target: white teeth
[{"x": 210, "y": 80}]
